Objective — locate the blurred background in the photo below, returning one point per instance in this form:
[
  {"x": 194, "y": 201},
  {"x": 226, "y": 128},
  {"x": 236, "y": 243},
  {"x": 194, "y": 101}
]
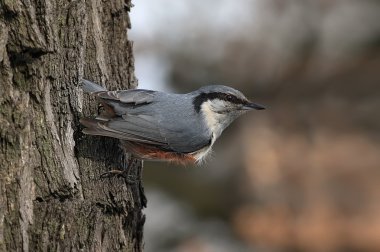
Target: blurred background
[{"x": 303, "y": 175}]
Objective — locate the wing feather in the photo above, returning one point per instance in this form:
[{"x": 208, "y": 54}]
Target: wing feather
[
  {"x": 134, "y": 129},
  {"x": 133, "y": 96}
]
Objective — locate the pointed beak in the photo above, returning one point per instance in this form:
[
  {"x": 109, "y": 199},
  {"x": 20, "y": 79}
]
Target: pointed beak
[{"x": 250, "y": 106}]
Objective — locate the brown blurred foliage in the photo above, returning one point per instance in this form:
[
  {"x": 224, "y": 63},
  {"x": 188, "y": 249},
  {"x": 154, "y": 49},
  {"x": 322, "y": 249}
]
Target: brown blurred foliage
[
  {"x": 310, "y": 171},
  {"x": 312, "y": 164}
]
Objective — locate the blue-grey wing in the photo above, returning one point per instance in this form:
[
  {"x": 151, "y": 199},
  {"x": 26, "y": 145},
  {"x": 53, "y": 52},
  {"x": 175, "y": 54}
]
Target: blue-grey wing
[
  {"x": 141, "y": 129},
  {"x": 149, "y": 130},
  {"x": 119, "y": 100},
  {"x": 186, "y": 138},
  {"x": 125, "y": 115},
  {"x": 132, "y": 96}
]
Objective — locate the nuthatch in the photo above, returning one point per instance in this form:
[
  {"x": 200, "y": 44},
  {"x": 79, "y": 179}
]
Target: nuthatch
[{"x": 155, "y": 125}]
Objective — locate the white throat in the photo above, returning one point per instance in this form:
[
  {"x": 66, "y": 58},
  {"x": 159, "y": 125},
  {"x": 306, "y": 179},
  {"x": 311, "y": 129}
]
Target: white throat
[{"x": 216, "y": 122}]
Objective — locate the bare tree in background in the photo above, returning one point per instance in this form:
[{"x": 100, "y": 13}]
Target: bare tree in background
[{"x": 51, "y": 196}]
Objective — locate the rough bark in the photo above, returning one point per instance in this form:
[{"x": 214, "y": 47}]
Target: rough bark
[{"x": 51, "y": 196}]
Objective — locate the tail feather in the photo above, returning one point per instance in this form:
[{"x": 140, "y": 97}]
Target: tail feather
[
  {"x": 94, "y": 127},
  {"x": 89, "y": 122},
  {"x": 91, "y": 87}
]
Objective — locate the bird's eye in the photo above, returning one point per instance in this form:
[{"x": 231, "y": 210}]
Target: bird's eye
[{"x": 229, "y": 97}]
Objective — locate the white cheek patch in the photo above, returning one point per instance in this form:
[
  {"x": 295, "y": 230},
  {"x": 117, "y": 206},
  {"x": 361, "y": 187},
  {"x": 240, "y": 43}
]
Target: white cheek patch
[
  {"x": 213, "y": 120},
  {"x": 209, "y": 115}
]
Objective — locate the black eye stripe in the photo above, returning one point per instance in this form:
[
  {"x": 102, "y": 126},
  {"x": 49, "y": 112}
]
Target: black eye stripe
[
  {"x": 232, "y": 98},
  {"x": 197, "y": 102}
]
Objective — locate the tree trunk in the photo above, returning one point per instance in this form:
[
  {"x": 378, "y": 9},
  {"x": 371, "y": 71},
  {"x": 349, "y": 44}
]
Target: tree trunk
[{"x": 51, "y": 194}]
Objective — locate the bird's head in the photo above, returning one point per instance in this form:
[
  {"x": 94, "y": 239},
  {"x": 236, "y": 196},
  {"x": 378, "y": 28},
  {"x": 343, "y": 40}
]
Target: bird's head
[{"x": 221, "y": 105}]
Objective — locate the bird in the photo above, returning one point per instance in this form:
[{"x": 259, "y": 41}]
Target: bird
[{"x": 155, "y": 125}]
